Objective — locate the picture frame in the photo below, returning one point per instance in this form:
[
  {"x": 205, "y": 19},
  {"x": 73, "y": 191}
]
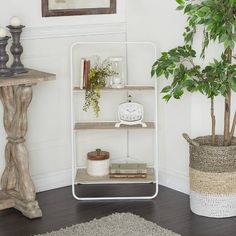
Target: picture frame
[{"x": 52, "y": 8}]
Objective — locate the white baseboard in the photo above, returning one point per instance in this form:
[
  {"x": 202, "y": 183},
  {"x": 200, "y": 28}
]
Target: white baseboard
[
  {"x": 61, "y": 179},
  {"x": 44, "y": 182},
  {"x": 174, "y": 180}
]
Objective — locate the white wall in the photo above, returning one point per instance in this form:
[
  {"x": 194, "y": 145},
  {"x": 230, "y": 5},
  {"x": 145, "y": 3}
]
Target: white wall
[
  {"x": 46, "y": 44},
  {"x": 157, "y": 21}
]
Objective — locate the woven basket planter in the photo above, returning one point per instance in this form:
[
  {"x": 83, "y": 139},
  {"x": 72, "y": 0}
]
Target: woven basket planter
[{"x": 212, "y": 177}]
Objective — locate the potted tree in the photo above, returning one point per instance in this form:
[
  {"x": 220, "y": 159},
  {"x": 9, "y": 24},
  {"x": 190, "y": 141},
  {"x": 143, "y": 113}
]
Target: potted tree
[{"x": 213, "y": 157}]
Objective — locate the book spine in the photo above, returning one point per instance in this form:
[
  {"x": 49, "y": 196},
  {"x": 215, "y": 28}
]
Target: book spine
[
  {"x": 88, "y": 70},
  {"x": 127, "y": 171},
  {"x": 82, "y": 74},
  {"x": 85, "y": 75}
]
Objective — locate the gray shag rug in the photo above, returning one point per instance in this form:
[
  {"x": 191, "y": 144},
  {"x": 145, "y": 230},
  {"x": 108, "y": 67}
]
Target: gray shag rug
[{"x": 118, "y": 224}]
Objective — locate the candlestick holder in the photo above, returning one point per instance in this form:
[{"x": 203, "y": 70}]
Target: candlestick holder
[
  {"x": 16, "y": 49},
  {"x": 4, "y": 70}
]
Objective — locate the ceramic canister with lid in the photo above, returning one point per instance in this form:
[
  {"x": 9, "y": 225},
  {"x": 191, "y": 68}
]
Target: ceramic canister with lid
[{"x": 98, "y": 163}]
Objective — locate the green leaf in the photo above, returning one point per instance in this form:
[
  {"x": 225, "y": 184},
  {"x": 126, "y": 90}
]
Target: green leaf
[
  {"x": 231, "y": 2},
  {"x": 155, "y": 63},
  {"x": 179, "y": 8},
  {"x": 178, "y": 93},
  {"x": 180, "y": 1},
  {"x": 153, "y": 72},
  {"x": 228, "y": 44},
  {"x": 233, "y": 84},
  {"x": 223, "y": 38},
  {"x": 234, "y": 36},
  {"x": 167, "y": 97},
  {"x": 166, "y": 89},
  {"x": 159, "y": 72}
]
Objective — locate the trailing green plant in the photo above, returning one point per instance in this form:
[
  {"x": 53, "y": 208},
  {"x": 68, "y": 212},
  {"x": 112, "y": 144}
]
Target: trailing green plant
[
  {"x": 218, "y": 78},
  {"x": 97, "y": 80}
]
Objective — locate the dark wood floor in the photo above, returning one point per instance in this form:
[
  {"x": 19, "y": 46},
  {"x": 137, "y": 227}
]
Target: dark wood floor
[{"x": 170, "y": 210}]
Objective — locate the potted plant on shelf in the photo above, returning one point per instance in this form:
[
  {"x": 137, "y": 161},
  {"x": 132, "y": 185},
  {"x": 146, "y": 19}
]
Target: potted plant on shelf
[
  {"x": 213, "y": 157},
  {"x": 96, "y": 81}
]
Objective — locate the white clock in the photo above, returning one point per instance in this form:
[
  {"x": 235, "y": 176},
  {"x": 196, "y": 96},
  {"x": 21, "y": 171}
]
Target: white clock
[{"x": 130, "y": 113}]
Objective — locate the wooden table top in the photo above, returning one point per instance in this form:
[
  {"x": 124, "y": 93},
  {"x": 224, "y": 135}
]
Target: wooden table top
[{"x": 32, "y": 77}]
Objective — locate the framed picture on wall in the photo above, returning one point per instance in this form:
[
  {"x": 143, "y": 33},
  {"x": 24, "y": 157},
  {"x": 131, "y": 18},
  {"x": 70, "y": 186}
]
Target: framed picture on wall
[{"x": 77, "y": 7}]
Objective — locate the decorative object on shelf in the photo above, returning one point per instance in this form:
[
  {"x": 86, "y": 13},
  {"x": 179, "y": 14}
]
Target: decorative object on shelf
[
  {"x": 4, "y": 70},
  {"x": 117, "y": 65},
  {"x": 69, "y": 8},
  {"x": 96, "y": 81},
  {"x": 130, "y": 113},
  {"x": 15, "y": 29},
  {"x": 127, "y": 176},
  {"x": 212, "y": 158},
  {"x": 98, "y": 163},
  {"x": 82, "y": 62},
  {"x": 128, "y": 170},
  {"x": 85, "y": 69}
]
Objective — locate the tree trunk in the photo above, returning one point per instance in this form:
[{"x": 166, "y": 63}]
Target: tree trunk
[
  {"x": 227, "y": 105},
  {"x": 227, "y": 117},
  {"x": 213, "y": 123},
  {"x": 232, "y": 130}
]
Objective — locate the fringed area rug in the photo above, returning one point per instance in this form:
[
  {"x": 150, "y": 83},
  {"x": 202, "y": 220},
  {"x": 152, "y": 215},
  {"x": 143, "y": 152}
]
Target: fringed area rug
[{"x": 118, "y": 224}]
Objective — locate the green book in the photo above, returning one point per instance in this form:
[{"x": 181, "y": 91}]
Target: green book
[{"x": 128, "y": 168}]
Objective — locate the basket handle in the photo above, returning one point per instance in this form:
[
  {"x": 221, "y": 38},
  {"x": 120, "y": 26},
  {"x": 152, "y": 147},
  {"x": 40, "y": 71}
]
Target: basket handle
[{"x": 190, "y": 141}]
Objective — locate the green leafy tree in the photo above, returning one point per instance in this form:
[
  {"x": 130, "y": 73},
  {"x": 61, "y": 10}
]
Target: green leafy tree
[{"x": 218, "y": 78}]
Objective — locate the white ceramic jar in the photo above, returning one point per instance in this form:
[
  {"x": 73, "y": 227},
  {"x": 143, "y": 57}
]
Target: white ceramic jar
[{"x": 98, "y": 163}]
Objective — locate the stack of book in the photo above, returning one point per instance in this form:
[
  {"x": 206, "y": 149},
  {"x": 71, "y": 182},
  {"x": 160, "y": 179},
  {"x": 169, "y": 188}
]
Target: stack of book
[
  {"x": 128, "y": 170},
  {"x": 85, "y": 69}
]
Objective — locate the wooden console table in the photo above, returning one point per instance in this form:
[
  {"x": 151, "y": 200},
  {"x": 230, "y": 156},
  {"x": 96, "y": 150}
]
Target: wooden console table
[{"x": 18, "y": 190}]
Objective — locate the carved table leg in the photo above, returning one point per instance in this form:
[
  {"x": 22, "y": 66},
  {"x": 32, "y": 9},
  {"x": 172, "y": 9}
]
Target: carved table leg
[{"x": 16, "y": 181}]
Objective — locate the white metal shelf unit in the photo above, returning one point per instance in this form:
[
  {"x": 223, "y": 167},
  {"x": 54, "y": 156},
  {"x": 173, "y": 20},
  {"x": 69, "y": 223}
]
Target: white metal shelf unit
[{"x": 74, "y": 122}]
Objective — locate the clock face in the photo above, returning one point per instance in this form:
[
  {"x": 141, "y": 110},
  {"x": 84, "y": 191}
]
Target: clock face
[{"x": 130, "y": 111}]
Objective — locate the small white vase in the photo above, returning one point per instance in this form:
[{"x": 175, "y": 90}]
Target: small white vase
[{"x": 98, "y": 163}]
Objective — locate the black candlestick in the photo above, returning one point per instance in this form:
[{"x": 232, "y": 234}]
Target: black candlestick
[
  {"x": 4, "y": 70},
  {"x": 16, "y": 49}
]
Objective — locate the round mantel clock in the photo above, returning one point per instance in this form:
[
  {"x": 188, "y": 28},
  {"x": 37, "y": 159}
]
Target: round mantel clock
[{"x": 130, "y": 113}]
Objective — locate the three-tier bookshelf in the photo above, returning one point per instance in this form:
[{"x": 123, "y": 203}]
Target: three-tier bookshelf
[{"x": 127, "y": 143}]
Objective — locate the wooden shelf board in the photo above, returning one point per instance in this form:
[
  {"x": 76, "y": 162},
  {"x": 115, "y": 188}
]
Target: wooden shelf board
[
  {"x": 110, "y": 125},
  {"x": 6, "y": 201},
  {"x": 29, "y": 78},
  {"x": 83, "y": 178},
  {"x": 128, "y": 87}
]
